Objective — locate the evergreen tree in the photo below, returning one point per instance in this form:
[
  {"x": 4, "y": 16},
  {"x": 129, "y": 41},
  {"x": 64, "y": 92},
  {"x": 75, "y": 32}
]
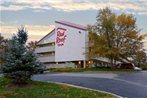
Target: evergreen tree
[
  {"x": 3, "y": 47},
  {"x": 19, "y": 62}
]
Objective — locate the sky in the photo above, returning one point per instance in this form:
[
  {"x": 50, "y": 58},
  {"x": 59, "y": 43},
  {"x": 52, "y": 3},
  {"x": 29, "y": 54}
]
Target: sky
[{"x": 38, "y": 16}]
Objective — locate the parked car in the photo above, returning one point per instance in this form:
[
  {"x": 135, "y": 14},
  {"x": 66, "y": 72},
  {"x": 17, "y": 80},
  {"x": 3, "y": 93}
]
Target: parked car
[
  {"x": 126, "y": 66},
  {"x": 137, "y": 68}
]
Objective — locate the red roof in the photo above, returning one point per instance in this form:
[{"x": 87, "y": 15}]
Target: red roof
[
  {"x": 72, "y": 25},
  {"x": 81, "y": 27}
]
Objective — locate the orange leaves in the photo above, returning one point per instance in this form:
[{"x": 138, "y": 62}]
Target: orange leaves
[
  {"x": 131, "y": 35},
  {"x": 126, "y": 20},
  {"x": 115, "y": 36}
]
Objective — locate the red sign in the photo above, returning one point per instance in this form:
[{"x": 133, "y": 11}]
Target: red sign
[{"x": 60, "y": 39}]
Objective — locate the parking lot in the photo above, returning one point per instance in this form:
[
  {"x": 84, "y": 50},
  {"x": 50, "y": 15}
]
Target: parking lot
[{"x": 130, "y": 85}]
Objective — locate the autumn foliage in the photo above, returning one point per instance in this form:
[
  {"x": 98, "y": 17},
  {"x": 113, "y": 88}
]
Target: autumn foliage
[{"x": 116, "y": 37}]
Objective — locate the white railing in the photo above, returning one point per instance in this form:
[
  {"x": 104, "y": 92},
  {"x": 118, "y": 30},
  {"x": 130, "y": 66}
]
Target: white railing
[
  {"x": 47, "y": 59},
  {"x": 45, "y": 49}
]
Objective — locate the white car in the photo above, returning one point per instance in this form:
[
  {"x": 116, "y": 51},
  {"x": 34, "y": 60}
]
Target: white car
[{"x": 137, "y": 68}]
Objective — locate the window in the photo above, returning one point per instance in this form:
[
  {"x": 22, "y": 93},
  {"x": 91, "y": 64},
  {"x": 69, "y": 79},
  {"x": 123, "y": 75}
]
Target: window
[
  {"x": 46, "y": 54},
  {"x": 47, "y": 44}
]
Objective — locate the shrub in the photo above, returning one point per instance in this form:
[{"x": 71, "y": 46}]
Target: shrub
[
  {"x": 66, "y": 69},
  {"x": 144, "y": 66},
  {"x": 19, "y": 62}
]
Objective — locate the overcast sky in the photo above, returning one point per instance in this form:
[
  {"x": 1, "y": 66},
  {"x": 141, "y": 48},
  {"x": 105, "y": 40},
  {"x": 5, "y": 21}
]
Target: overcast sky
[{"x": 38, "y": 16}]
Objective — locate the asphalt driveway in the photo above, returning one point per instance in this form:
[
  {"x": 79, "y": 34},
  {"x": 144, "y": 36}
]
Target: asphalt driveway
[{"x": 130, "y": 85}]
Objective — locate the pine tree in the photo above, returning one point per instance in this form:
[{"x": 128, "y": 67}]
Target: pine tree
[
  {"x": 3, "y": 47},
  {"x": 19, "y": 62}
]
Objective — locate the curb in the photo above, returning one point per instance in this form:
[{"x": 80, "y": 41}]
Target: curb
[{"x": 118, "y": 96}]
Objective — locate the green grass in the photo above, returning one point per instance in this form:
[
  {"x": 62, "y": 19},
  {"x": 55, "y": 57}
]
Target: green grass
[
  {"x": 106, "y": 70},
  {"x": 47, "y": 90}
]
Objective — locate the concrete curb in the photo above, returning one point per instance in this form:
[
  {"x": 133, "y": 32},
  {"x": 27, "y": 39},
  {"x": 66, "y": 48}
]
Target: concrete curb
[{"x": 118, "y": 96}]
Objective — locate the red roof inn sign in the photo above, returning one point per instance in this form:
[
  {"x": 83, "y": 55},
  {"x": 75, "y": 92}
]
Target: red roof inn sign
[
  {"x": 61, "y": 36},
  {"x": 69, "y": 43}
]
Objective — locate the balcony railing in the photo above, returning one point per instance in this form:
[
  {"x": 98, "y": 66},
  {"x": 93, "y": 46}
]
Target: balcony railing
[
  {"x": 45, "y": 49},
  {"x": 47, "y": 59}
]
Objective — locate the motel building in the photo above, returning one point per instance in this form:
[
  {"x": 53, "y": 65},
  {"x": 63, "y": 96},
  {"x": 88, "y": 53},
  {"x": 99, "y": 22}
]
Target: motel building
[{"x": 65, "y": 46}]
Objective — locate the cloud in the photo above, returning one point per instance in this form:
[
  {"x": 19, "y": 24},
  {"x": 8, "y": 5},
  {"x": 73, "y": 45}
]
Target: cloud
[
  {"x": 13, "y": 8},
  {"x": 68, "y": 7},
  {"x": 35, "y": 32},
  {"x": 1, "y": 22},
  {"x": 142, "y": 13},
  {"x": 136, "y": 6},
  {"x": 16, "y": 6}
]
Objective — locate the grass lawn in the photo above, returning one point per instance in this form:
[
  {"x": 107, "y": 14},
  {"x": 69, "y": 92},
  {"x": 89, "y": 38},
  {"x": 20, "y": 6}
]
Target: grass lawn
[
  {"x": 106, "y": 70},
  {"x": 46, "y": 90}
]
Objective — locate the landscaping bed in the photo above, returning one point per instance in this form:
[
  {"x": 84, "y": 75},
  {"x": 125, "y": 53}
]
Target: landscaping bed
[
  {"x": 90, "y": 70},
  {"x": 37, "y": 89}
]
